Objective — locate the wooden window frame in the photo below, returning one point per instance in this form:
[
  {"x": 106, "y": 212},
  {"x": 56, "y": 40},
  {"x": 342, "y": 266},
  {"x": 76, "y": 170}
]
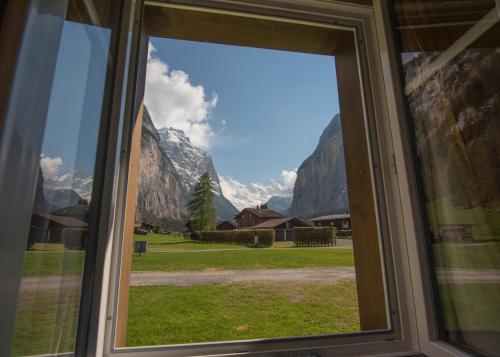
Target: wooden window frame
[{"x": 367, "y": 58}]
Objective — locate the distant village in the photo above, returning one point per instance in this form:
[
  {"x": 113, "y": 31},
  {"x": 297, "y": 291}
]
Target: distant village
[{"x": 265, "y": 218}]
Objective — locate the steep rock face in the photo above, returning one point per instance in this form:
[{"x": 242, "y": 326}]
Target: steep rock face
[
  {"x": 280, "y": 204},
  {"x": 161, "y": 197},
  {"x": 321, "y": 186},
  {"x": 190, "y": 163},
  {"x": 457, "y": 127}
]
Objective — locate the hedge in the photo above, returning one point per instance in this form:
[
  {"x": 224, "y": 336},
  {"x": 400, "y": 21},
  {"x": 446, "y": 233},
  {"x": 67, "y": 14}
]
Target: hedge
[
  {"x": 241, "y": 237},
  {"x": 314, "y": 236}
]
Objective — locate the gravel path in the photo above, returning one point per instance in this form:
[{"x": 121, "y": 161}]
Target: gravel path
[
  {"x": 208, "y": 276},
  {"x": 186, "y": 278},
  {"x": 212, "y": 276}
]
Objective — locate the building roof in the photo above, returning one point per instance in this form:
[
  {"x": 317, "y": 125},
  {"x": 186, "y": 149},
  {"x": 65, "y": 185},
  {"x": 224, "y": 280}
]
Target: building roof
[
  {"x": 65, "y": 221},
  {"x": 331, "y": 217},
  {"x": 272, "y": 223},
  {"x": 226, "y": 221},
  {"x": 261, "y": 213}
]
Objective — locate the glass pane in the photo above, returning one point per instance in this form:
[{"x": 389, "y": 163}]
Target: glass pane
[
  {"x": 78, "y": 43},
  {"x": 242, "y": 228},
  {"x": 451, "y": 61}
]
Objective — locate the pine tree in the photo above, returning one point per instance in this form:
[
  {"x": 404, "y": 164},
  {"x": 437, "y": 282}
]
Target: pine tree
[{"x": 201, "y": 206}]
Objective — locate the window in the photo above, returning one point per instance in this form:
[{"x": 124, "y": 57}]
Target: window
[
  {"x": 186, "y": 34},
  {"x": 450, "y": 69},
  {"x": 80, "y": 278},
  {"x": 48, "y": 177}
]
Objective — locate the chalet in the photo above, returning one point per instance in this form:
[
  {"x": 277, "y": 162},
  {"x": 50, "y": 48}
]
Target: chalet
[
  {"x": 50, "y": 228},
  {"x": 340, "y": 221},
  {"x": 79, "y": 212},
  {"x": 250, "y": 217},
  {"x": 283, "y": 227},
  {"x": 225, "y": 225}
]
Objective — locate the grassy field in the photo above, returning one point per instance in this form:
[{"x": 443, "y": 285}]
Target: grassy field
[
  {"x": 225, "y": 312},
  {"x": 46, "y": 322},
  {"x": 469, "y": 256},
  {"x": 486, "y": 222},
  {"x": 194, "y": 256},
  {"x": 53, "y": 263},
  {"x": 470, "y": 307},
  {"x": 244, "y": 259}
]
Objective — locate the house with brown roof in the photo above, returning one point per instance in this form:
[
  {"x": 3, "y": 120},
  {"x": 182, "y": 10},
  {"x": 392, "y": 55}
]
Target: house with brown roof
[
  {"x": 283, "y": 227},
  {"x": 249, "y": 217},
  {"x": 340, "y": 221},
  {"x": 225, "y": 225},
  {"x": 51, "y": 228}
]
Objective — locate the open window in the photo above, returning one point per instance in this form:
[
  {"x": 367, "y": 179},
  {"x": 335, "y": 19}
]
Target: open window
[{"x": 312, "y": 272}]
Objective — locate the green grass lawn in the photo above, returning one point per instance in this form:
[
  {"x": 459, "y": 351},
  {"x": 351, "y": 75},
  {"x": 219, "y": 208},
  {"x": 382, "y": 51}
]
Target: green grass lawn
[
  {"x": 244, "y": 259},
  {"x": 46, "y": 322},
  {"x": 469, "y": 256},
  {"x": 53, "y": 263},
  {"x": 71, "y": 262},
  {"x": 223, "y": 312},
  {"x": 470, "y": 307}
]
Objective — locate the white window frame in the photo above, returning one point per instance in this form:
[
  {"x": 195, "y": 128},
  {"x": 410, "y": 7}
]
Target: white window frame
[{"x": 414, "y": 329}]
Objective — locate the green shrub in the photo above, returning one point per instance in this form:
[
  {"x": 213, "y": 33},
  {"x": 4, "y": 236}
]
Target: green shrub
[
  {"x": 241, "y": 237},
  {"x": 314, "y": 236}
]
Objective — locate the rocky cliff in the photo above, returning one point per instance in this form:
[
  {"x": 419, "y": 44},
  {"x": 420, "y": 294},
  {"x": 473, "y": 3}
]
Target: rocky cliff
[
  {"x": 457, "y": 127},
  {"x": 161, "y": 197},
  {"x": 190, "y": 163},
  {"x": 321, "y": 186}
]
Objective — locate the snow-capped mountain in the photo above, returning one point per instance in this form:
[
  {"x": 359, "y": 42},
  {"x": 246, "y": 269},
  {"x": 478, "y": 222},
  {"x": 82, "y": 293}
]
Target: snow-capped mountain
[
  {"x": 191, "y": 162},
  {"x": 253, "y": 194}
]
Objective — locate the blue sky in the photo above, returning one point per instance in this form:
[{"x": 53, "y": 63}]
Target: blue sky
[
  {"x": 257, "y": 111},
  {"x": 74, "y": 113}
]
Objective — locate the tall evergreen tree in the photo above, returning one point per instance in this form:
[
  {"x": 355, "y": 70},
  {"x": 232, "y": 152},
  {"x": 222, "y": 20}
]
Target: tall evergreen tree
[{"x": 201, "y": 206}]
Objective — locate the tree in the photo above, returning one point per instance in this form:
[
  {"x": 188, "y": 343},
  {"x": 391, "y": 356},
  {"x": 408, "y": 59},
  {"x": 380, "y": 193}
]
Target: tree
[
  {"x": 263, "y": 205},
  {"x": 201, "y": 206}
]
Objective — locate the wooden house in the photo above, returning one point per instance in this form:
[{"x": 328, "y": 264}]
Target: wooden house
[
  {"x": 50, "y": 228},
  {"x": 283, "y": 227},
  {"x": 226, "y": 225},
  {"x": 250, "y": 217},
  {"x": 340, "y": 221}
]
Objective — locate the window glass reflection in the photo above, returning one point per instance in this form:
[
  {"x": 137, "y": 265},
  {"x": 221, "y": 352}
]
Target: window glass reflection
[
  {"x": 452, "y": 84},
  {"x": 49, "y": 298}
]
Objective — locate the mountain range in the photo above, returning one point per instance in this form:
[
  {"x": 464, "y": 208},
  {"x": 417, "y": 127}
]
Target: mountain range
[
  {"x": 456, "y": 125},
  {"x": 190, "y": 163},
  {"x": 171, "y": 165},
  {"x": 255, "y": 193}
]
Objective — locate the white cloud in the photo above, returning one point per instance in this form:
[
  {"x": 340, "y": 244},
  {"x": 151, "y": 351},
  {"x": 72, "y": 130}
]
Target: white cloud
[
  {"x": 289, "y": 177},
  {"x": 173, "y": 101},
  {"x": 51, "y": 167},
  {"x": 255, "y": 193}
]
